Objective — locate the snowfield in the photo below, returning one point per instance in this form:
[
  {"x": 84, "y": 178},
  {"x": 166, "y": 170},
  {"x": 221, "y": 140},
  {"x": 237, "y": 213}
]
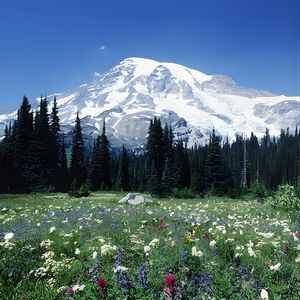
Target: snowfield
[{"x": 137, "y": 89}]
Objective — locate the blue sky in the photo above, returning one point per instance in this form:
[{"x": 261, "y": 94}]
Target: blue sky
[{"x": 53, "y": 45}]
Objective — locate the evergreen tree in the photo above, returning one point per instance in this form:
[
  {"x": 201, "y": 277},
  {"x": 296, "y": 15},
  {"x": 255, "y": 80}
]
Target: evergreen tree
[
  {"x": 104, "y": 160},
  {"x": 63, "y": 173},
  {"x": 57, "y": 151},
  {"x": 155, "y": 187},
  {"x": 298, "y": 165},
  {"x": 179, "y": 159},
  {"x": 39, "y": 167},
  {"x": 167, "y": 179},
  {"x": 198, "y": 170},
  {"x": 95, "y": 174},
  {"x": 77, "y": 166},
  {"x": 123, "y": 173},
  {"x": 215, "y": 168},
  {"x": 22, "y": 135},
  {"x": 155, "y": 155},
  {"x": 7, "y": 171}
]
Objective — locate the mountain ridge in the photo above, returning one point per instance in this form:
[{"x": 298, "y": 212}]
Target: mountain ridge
[{"x": 131, "y": 93}]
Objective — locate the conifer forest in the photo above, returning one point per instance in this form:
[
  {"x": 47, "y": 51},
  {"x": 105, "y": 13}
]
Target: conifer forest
[{"x": 35, "y": 158}]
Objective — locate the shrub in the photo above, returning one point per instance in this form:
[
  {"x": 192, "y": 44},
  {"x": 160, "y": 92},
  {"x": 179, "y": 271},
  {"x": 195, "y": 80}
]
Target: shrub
[
  {"x": 285, "y": 198},
  {"x": 259, "y": 191},
  {"x": 76, "y": 192},
  {"x": 84, "y": 190},
  {"x": 183, "y": 193}
]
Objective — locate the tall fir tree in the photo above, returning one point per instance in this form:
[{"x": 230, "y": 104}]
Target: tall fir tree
[
  {"x": 95, "y": 174},
  {"x": 63, "y": 172},
  {"x": 105, "y": 160},
  {"x": 123, "y": 171},
  {"x": 57, "y": 150},
  {"x": 23, "y": 135},
  {"x": 77, "y": 166},
  {"x": 215, "y": 167},
  {"x": 155, "y": 155},
  {"x": 39, "y": 167}
]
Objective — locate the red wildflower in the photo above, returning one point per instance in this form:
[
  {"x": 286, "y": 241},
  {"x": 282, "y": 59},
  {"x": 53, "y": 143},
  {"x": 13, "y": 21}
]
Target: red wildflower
[
  {"x": 162, "y": 224},
  {"x": 70, "y": 291},
  {"x": 102, "y": 286},
  {"x": 170, "y": 282},
  {"x": 286, "y": 248},
  {"x": 206, "y": 235}
]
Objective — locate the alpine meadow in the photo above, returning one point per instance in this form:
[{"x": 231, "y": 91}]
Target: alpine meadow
[{"x": 153, "y": 179}]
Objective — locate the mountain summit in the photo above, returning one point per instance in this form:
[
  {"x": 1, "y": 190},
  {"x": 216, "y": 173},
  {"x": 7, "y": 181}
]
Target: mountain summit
[{"x": 130, "y": 94}]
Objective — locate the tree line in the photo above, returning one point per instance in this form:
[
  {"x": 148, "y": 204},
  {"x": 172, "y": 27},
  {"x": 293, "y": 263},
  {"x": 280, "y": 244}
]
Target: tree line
[{"x": 33, "y": 157}]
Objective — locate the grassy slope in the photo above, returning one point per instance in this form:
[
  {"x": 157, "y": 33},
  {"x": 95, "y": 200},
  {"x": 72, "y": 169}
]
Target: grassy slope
[{"x": 90, "y": 223}]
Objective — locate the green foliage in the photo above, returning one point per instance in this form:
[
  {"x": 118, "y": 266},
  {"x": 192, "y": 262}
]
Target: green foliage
[
  {"x": 258, "y": 191},
  {"x": 84, "y": 190},
  {"x": 123, "y": 172},
  {"x": 79, "y": 192},
  {"x": 285, "y": 198},
  {"x": 221, "y": 269},
  {"x": 184, "y": 193},
  {"x": 77, "y": 167}
]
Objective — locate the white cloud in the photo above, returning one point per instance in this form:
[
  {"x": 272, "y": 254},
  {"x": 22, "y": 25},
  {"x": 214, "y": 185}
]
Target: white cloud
[
  {"x": 96, "y": 74},
  {"x": 102, "y": 47}
]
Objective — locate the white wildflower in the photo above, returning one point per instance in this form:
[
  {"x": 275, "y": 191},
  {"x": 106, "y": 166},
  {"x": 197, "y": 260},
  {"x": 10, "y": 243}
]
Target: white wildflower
[
  {"x": 147, "y": 249},
  {"x": 77, "y": 251},
  {"x": 120, "y": 269},
  {"x": 196, "y": 252},
  {"x": 251, "y": 252},
  {"x": 8, "y": 236},
  {"x": 212, "y": 243},
  {"x": 264, "y": 295},
  {"x": 275, "y": 267},
  {"x": 52, "y": 229},
  {"x": 153, "y": 242}
]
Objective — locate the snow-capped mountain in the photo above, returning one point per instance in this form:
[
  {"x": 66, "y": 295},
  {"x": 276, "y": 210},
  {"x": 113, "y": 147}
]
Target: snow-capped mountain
[{"x": 130, "y": 94}]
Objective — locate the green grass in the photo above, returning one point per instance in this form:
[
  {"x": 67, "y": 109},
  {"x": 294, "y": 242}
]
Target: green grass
[{"x": 225, "y": 271}]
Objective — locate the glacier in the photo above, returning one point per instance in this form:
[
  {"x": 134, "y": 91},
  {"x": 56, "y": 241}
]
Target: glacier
[{"x": 131, "y": 93}]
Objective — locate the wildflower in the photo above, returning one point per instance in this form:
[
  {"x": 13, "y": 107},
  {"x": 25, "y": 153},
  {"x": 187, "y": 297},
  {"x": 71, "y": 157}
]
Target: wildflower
[
  {"x": 81, "y": 288},
  {"x": 94, "y": 255},
  {"x": 62, "y": 288},
  {"x": 196, "y": 253},
  {"x": 147, "y": 249},
  {"x": 102, "y": 287},
  {"x": 275, "y": 267},
  {"x": 206, "y": 235},
  {"x": 212, "y": 243},
  {"x": 286, "y": 248},
  {"x": 170, "y": 282},
  {"x": 107, "y": 248},
  {"x": 120, "y": 269},
  {"x": 70, "y": 291},
  {"x": 188, "y": 238},
  {"x": 264, "y": 295},
  {"x": 251, "y": 252},
  {"x": 153, "y": 242},
  {"x": 77, "y": 251},
  {"x": 46, "y": 244},
  {"x": 162, "y": 224},
  {"x": 142, "y": 276},
  {"x": 8, "y": 236},
  {"x": 52, "y": 229}
]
